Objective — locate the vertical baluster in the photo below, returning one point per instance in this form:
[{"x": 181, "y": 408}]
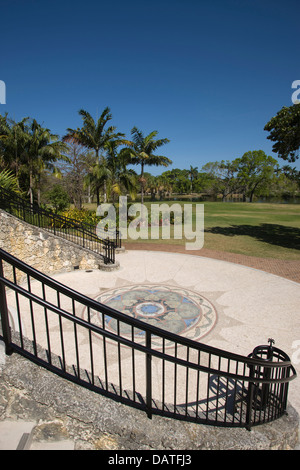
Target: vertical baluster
[
  {"x": 133, "y": 363},
  {"x": 218, "y": 389},
  {"x": 61, "y": 335},
  {"x": 226, "y": 394},
  {"x": 76, "y": 339},
  {"x": 208, "y": 386},
  {"x": 119, "y": 359},
  {"x": 91, "y": 345},
  {"x": 104, "y": 353},
  {"x": 47, "y": 324},
  {"x": 18, "y": 308},
  {"x": 250, "y": 396},
  {"x": 163, "y": 376},
  {"x": 4, "y": 315},
  {"x": 32, "y": 317},
  {"x": 148, "y": 375},
  {"x": 198, "y": 384},
  {"x": 244, "y": 398},
  {"x": 175, "y": 379},
  {"x": 187, "y": 382}
]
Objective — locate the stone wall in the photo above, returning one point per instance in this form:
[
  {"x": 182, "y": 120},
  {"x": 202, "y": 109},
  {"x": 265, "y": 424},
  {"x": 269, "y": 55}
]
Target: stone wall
[
  {"x": 42, "y": 250},
  {"x": 62, "y": 410}
]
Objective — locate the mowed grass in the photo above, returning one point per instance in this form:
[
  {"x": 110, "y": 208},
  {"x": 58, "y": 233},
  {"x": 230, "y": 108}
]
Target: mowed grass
[
  {"x": 262, "y": 230},
  {"x": 253, "y": 229}
]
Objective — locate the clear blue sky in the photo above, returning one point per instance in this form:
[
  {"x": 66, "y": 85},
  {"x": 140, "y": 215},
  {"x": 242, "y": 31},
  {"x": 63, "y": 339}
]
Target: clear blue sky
[{"x": 208, "y": 74}]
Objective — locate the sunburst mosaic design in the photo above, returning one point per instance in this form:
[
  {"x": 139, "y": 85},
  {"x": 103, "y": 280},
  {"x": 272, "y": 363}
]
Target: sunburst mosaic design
[{"x": 173, "y": 309}]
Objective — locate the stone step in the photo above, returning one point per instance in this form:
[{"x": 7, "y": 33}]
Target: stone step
[
  {"x": 16, "y": 435},
  {"x": 53, "y": 445}
]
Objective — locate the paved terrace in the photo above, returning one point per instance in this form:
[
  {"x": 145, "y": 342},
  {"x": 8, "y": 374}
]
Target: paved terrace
[{"x": 244, "y": 306}]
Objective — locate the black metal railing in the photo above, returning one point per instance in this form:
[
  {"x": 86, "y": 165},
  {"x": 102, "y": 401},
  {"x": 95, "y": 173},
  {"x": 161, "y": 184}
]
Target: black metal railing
[
  {"x": 134, "y": 362},
  {"x": 64, "y": 227}
]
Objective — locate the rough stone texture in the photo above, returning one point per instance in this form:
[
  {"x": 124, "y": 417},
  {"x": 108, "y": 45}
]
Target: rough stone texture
[
  {"x": 44, "y": 251},
  {"x": 64, "y": 411}
]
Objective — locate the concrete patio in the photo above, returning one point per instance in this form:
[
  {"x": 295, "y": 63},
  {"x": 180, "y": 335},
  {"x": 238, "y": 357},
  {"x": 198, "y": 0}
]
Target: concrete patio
[{"x": 251, "y": 305}]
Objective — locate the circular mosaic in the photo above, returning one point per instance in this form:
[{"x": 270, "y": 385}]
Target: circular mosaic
[{"x": 176, "y": 310}]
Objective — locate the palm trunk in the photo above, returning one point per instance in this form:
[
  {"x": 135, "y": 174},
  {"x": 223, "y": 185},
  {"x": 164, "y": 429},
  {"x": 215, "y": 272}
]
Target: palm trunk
[
  {"x": 105, "y": 192},
  {"x": 31, "y": 185},
  {"x": 142, "y": 183}
]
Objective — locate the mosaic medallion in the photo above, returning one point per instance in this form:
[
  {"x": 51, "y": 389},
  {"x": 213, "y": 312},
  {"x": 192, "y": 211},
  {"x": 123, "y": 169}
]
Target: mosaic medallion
[{"x": 176, "y": 310}]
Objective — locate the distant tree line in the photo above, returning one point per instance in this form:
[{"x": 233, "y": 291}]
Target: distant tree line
[{"x": 96, "y": 162}]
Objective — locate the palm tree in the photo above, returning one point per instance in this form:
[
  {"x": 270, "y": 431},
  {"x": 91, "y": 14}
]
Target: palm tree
[
  {"x": 93, "y": 135},
  {"x": 12, "y": 142},
  {"x": 9, "y": 181},
  {"x": 120, "y": 176},
  {"x": 29, "y": 148},
  {"x": 41, "y": 149},
  {"x": 142, "y": 153},
  {"x": 193, "y": 173}
]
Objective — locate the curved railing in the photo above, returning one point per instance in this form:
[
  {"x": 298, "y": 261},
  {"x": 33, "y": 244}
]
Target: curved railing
[
  {"x": 64, "y": 227},
  {"x": 134, "y": 362}
]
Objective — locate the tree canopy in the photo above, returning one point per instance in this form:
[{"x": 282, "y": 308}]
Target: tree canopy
[{"x": 284, "y": 131}]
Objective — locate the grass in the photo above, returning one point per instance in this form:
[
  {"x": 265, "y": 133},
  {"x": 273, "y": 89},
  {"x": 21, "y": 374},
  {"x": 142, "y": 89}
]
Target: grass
[{"x": 253, "y": 229}]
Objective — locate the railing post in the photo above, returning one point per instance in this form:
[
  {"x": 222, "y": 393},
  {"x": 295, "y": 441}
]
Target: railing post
[
  {"x": 4, "y": 315},
  {"x": 148, "y": 375},
  {"x": 249, "y": 405}
]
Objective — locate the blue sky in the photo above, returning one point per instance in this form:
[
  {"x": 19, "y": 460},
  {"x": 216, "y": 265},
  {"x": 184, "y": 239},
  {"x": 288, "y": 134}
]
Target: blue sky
[{"x": 208, "y": 75}]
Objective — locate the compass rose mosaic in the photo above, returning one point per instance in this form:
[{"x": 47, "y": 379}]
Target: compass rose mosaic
[{"x": 176, "y": 310}]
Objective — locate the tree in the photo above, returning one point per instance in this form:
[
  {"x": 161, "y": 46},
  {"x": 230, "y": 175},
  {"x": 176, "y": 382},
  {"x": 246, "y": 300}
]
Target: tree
[
  {"x": 28, "y": 149},
  {"x": 74, "y": 172},
  {"x": 223, "y": 177},
  {"x": 284, "y": 130},
  {"x": 9, "y": 181},
  {"x": 41, "y": 150},
  {"x": 193, "y": 173},
  {"x": 254, "y": 171},
  {"x": 142, "y": 153},
  {"x": 12, "y": 144},
  {"x": 59, "y": 198},
  {"x": 93, "y": 135},
  {"x": 120, "y": 177}
]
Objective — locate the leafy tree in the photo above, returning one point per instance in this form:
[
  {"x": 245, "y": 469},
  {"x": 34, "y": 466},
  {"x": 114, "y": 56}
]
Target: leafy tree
[
  {"x": 142, "y": 153},
  {"x": 59, "y": 198},
  {"x": 284, "y": 130},
  {"x": 223, "y": 177},
  {"x": 75, "y": 171},
  {"x": 151, "y": 185},
  {"x": 254, "y": 170}
]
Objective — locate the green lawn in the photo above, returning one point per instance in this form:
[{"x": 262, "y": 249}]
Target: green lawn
[{"x": 262, "y": 230}]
